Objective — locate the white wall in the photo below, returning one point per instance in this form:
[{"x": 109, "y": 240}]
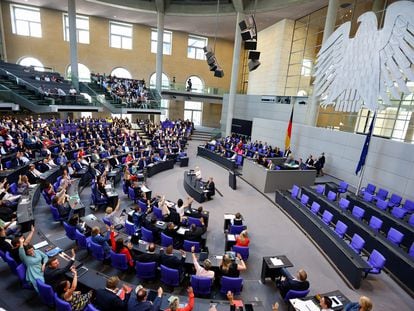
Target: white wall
[{"x": 389, "y": 164}]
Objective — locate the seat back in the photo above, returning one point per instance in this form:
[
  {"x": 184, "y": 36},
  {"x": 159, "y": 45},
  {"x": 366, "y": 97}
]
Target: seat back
[
  {"x": 170, "y": 276},
  {"x": 395, "y": 200},
  {"x": 3, "y": 255},
  {"x": 21, "y": 274},
  {"x": 46, "y": 293},
  {"x": 157, "y": 212},
  {"x": 343, "y": 187},
  {"x": 381, "y": 194},
  {"x": 295, "y": 192},
  {"x": 119, "y": 261},
  {"x": 143, "y": 206},
  {"x": 411, "y": 251},
  {"x": 398, "y": 212},
  {"x": 129, "y": 228},
  {"x": 231, "y": 284},
  {"x": 193, "y": 220},
  {"x": 357, "y": 243},
  {"x": 411, "y": 220},
  {"x": 408, "y": 206},
  {"x": 340, "y": 228},
  {"x": 291, "y": 294},
  {"x": 46, "y": 197},
  {"x": 377, "y": 261},
  {"x": 146, "y": 270},
  {"x": 131, "y": 193},
  {"x": 315, "y": 207},
  {"x": 62, "y": 305},
  {"x": 201, "y": 285},
  {"x": 81, "y": 241},
  {"x": 327, "y": 217},
  {"x": 234, "y": 229},
  {"x": 358, "y": 212},
  {"x": 70, "y": 231},
  {"x": 11, "y": 263},
  {"x": 331, "y": 196},
  {"x": 55, "y": 213},
  {"x": 375, "y": 223},
  {"x": 343, "y": 204},
  {"x": 13, "y": 188},
  {"x": 166, "y": 240},
  {"x": 395, "y": 236},
  {"x": 382, "y": 204},
  {"x": 147, "y": 235},
  {"x": 320, "y": 189},
  {"x": 370, "y": 189},
  {"x": 304, "y": 199},
  {"x": 107, "y": 221},
  {"x": 368, "y": 197},
  {"x": 242, "y": 250},
  {"x": 188, "y": 244},
  {"x": 90, "y": 307},
  {"x": 97, "y": 251}
]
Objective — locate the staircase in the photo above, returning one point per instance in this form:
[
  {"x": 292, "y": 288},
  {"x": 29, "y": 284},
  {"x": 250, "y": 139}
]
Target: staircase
[
  {"x": 95, "y": 90},
  {"x": 202, "y": 134}
]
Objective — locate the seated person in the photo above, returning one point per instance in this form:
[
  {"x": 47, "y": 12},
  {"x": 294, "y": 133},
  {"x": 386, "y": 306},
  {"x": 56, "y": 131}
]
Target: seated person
[
  {"x": 237, "y": 220},
  {"x": 99, "y": 238},
  {"x": 23, "y": 184},
  {"x": 33, "y": 174},
  {"x": 230, "y": 268},
  {"x": 181, "y": 207},
  {"x": 74, "y": 221},
  {"x": 137, "y": 217},
  {"x": 364, "y": 304},
  {"x": 195, "y": 233},
  {"x": 151, "y": 224},
  {"x": 150, "y": 255},
  {"x": 119, "y": 248},
  {"x": 243, "y": 239},
  {"x": 62, "y": 205},
  {"x": 53, "y": 274},
  {"x": 171, "y": 261},
  {"x": 107, "y": 298},
  {"x": 325, "y": 303},
  {"x": 202, "y": 271},
  {"x": 288, "y": 282},
  {"x": 175, "y": 302},
  {"x": 139, "y": 300}
]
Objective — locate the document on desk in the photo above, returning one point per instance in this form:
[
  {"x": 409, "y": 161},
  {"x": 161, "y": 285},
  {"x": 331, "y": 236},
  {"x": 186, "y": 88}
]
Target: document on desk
[
  {"x": 40, "y": 244},
  {"x": 229, "y": 216},
  {"x": 301, "y": 305},
  {"x": 108, "y": 186},
  {"x": 231, "y": 237},
  {"x": 144, "y": 189},
  {"x": 335, "y": 301},
  {"x": 182, "y": 230},
  {"x": 276, "y": 261}
]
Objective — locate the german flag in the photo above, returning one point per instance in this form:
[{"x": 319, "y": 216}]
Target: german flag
[{"x": 289, "y": 130}]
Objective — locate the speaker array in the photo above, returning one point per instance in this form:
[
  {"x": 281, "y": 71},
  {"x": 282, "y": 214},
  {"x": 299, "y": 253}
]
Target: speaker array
[
  {"x": 249, "y": 37},
  {"x": 212, "y": 62}
]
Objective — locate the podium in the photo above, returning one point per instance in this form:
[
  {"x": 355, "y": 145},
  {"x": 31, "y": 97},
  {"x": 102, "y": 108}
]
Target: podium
[{"x": 232, "y": 180}]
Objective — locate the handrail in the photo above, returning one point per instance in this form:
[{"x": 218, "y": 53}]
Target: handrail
[
  {"x": 18, "y": 79},
  {"x": 181, "y": 87},
  {"x": 21, "y": 100}
]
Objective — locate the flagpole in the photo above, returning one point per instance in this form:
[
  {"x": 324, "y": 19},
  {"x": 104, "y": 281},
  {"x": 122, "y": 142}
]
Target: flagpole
[{"x": 361, "y": 176}]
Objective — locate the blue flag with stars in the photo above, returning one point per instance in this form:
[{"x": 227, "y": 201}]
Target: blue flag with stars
[{"x": 364, "y": 152}]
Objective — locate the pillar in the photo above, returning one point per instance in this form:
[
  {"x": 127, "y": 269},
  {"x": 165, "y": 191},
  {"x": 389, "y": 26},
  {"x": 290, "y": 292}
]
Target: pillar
[
  {"x": 160, "y": 44},
  {"x": 73, "y": 44},
  {"x": 234, "y": 74}
]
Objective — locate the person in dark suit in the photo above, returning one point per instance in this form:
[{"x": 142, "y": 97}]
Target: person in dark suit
[
  {"x": 288, "y": 282},
  {"x": 107, "y": 298},
  {"x": 139, "y": 301},
  {"x": 195, "y": 233},
  {"x": 77, "y": 165},
  {"x": 33, "y": 174},
  {"x": 320, "y": 163},
  {"x": 53, "y": 274},
  {"x": 151, "y": 225},
  {"x": 44, "y": 166},
  {"x": 169, "y": 260},
  {"x": 150, "y": 255},
  {"x": 210, "y": 188},
  {"x": 287, "y": 153}
]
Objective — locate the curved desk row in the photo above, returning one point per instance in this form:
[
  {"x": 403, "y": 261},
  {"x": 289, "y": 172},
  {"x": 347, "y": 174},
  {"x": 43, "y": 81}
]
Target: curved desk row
[
  {"x": 215, "y": 157},
  {"x": 398, "y": 262},
  {"x": 349, "y": 264},
  {"x": 193, "y": 187},
  {"x": 158, "y": 167}
]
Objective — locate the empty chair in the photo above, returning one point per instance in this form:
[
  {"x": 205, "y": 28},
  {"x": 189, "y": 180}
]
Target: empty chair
[
  {"x": 398, "y": 212},
  {"x": 62, "y": 305},
  {"x": 343, "y": 187},
  {"x": 166, "y": 240},
  {"x": 146, "y": 270},
  {"x": 188, "y": 244},
  {"x": 411, "y": 220},
  {"x": 11, "y": 263},
  {"x": 295, "y": 192},
  {"x": 395, "y": 200},
  {"x": 358, "y": 212},
  {"x": 315, "y": 207},
  {"x": 320, "y": 189},
  {"x": 411, "y": 251},
  {"x": 131, "y": 194},
  {"x": 55, "y": 214},
  {"x": 242, "y": 250},
  {"x": 409, "y": 206},
  {"x": 370, "y": 188},
  {"x": 231, "y": 284},
  {"x": 147, "y": 235},
  {"x": 98, "y": 251},
  {"x": 70, "y": 231},
  {"x": 395, "y": 236},
  {"x": 376, "y": 261},
  {"x": 169, "y": 276},
  {"x": 331, "y": 196},
  {"x": 304, "y": 199},
  {"x": 143, "y": 205},
  {"x": 357, "y": 243},
  {"x": 193, "y": 220},
  {"x": 234, "y": 229},
  {"x": 343, "y": 203},
  {"x": 291, "y": 294},
  {"x": 81, "y": 240},
  {"x": 201, "y": 285},
  {"x": 382, "y": 204},
  {"x": 129, "y": 228},
  {"x": 21, "y": 274},
  {"x": 340, "y": 228},
  {"x": 46, "y": 293},
  {"x": 13, "y": 188},
  {"x": 119, "y": 261},
  {"x": 327, "y": 217},
  {"x": 375, "y": 223},
  {"x": 368, "y": 197},
  {"x": 381, "y": 194}
]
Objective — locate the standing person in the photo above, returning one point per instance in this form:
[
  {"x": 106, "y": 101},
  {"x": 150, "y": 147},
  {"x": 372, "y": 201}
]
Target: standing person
[
  {"x": 210, "y": 188},
  {"x": 189, "y": 85},
  {"x": 320, "y": 163},
  {"x": 35, "y": 262},
  {"x": 107, "y": 298}
]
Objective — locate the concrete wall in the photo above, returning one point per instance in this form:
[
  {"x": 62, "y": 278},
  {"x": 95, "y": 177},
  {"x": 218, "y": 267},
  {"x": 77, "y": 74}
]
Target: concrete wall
[{"x": 390, "y": 164}]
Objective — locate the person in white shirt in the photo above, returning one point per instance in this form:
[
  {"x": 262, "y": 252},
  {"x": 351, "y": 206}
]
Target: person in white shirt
[
  {"x": 114, "y": 215},
  {"x": 180, "y": 207},
  {"x": 197, "y": 172},
  {"x": 200, "y": 271}
]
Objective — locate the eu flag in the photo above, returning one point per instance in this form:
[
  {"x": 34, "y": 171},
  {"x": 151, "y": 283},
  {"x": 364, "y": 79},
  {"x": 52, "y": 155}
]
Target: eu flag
[{"x": 364, "y": 152}]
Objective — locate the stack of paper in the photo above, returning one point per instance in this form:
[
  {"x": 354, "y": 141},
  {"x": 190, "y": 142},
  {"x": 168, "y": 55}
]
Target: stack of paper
[
  {"x": 231, "y": 237},
  {"x": 276, "y": 261},
  {"x": 40, "y": 244}
]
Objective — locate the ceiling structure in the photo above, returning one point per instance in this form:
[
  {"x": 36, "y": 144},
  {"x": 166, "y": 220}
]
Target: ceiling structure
[{"x": 196, "y": 16}]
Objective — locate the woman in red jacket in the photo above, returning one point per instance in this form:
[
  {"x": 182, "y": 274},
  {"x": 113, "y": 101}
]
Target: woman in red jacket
[
  {"x": 243, "y": 239},
  {"x": 119, "y": 248},
  {"x": 174, "y": 302}
]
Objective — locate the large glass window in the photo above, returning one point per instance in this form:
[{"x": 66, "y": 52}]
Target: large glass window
[
  {"x": 197, "y": 85},
  {"x": 195, "y": 47},
  {"x": 84, "y": 74},
  {"x": 26, "y": 21},
  {"x": 193, "y": 111},
  {"x": 165, "y": 82},
  {"x": 120, "y": 35},
  {"x": 121, "y": 73},
  {"x": 31, "y": 61},
  {"x": 167, "y": 42},
  {"x": 82, "y": 28}
]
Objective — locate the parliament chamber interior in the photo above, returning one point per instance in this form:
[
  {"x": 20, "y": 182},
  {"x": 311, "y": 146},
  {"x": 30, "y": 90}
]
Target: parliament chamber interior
[{"x": 206, "y": 155}]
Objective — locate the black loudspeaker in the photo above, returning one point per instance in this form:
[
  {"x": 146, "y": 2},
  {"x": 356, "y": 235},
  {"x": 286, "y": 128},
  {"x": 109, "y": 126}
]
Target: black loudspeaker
[
  {"x": 250, "y": 45},
  {"x": 253, "y": 64},
  {"x": 209, "y": 54},
  {"x": 243, "y": 25},
  {"x": 211, "y": 60},
  {"x": 213, "y": 67},
  {"x": 254, "y": 55},
  {"x": 219, "y": 73},
  {"x": 247, "y": 35}
]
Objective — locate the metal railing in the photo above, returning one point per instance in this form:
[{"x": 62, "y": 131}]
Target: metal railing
[{"x": 182, "y": 87}]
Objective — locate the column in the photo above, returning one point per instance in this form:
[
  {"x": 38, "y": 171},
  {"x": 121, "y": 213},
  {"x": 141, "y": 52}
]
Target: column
[
  {"x": 234, "y": 74},
  {"x": 328, "y": 30},
  {"x": 160, "y": 44},
  {"x": 73, "y": 44}
]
